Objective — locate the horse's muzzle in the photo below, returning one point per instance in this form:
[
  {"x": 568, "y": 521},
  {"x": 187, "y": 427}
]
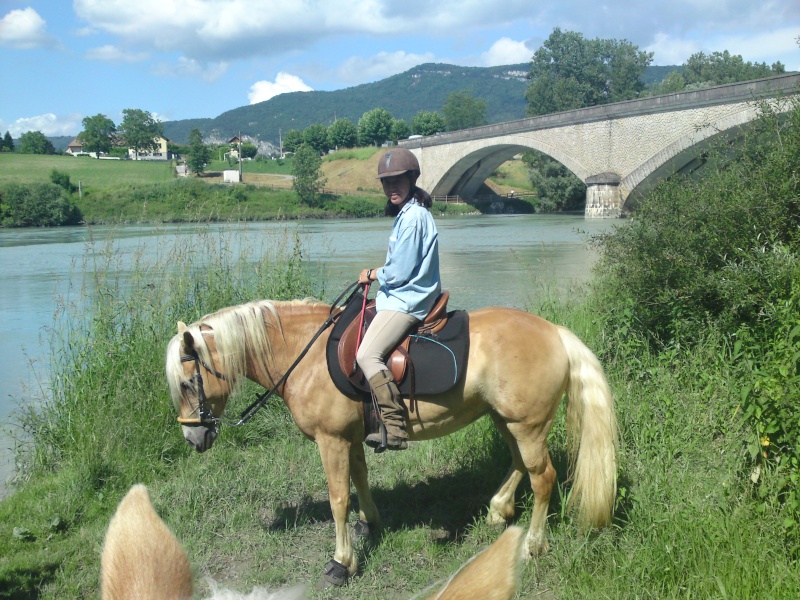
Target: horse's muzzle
[{"x": 200, "y": 437}]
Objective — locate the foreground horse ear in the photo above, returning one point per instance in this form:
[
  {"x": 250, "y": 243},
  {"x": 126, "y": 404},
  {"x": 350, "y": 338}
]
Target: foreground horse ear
[
  {"x": 188, "y": 341},
  {"x": 181, "y": 327}
]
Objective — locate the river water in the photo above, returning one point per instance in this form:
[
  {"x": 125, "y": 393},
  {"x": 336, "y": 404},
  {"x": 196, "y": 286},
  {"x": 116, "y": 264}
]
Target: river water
[{"x": 485, "y": 260}]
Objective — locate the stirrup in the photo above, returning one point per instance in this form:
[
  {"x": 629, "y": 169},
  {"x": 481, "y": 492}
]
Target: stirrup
[{"x": 382, "y": 441}]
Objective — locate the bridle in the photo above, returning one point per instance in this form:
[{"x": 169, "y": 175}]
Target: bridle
[
  {"x": 206, "y": 418},
  {"x": 204, "y": 414}
]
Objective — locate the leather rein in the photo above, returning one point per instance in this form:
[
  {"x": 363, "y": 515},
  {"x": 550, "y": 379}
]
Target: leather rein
[{"x": 204, "y": 412}]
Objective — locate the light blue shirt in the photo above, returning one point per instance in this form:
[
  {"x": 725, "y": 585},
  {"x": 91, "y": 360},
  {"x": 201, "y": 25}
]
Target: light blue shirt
[{"x": 410, "y": 280}]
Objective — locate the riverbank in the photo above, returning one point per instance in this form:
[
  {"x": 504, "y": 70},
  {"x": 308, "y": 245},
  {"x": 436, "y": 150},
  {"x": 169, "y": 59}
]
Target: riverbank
[{"x": 125, "y": 192}]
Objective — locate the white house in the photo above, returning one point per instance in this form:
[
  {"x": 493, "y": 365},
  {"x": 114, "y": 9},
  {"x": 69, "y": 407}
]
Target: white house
[{"x": 160, "y": 153}]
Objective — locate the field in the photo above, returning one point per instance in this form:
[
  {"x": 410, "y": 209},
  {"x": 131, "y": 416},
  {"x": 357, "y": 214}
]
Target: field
[
  {"x": 88, "y": 171},
  {"x": 346, "y": 171}
]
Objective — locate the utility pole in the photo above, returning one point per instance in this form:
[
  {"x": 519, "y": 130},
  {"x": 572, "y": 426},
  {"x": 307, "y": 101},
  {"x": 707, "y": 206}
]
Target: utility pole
[
  {"x": 280, "y": 142},
  {"x": 240, "y": 157}
]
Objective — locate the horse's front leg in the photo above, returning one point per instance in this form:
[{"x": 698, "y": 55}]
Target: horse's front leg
[
  {"x": 368, "y": 517},
  {"x": 335, "y": 454}
]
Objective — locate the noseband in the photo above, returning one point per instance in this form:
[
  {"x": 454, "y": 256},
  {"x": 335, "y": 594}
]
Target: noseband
[{"x": 205, "y": 416}]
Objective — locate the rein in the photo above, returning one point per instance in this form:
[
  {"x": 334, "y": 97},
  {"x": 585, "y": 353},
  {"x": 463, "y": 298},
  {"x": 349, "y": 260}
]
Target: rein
[{"x": 207, "y": 418}]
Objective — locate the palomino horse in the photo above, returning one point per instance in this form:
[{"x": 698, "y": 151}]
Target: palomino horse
[
  {"x": 520, "y": 367},
  {"x": 142, "y": 560}
]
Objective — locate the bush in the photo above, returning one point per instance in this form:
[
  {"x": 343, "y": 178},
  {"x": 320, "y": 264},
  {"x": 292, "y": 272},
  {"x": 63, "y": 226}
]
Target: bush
[
  {"x": 717, "y": 249},
  {"x": 719, "y": 258},
  {"x": 36, "y": 204}
]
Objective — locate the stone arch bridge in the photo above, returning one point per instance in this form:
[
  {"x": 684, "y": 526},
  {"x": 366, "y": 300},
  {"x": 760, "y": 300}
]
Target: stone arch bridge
[{"x": 618, "y": 150}]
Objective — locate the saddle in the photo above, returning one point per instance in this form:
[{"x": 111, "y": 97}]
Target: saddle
[{"x": 398, "y": 361}]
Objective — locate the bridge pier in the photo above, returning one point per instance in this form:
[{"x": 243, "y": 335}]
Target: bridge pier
[{"x": 603, "y": 196}]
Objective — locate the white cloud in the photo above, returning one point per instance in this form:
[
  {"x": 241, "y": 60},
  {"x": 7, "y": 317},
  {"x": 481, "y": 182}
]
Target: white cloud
[
  {"x": 189, "y": 67},
  {"x": 49, "y": 124},
  {"x": 506, "y": 51},
  {"x": 25, "y": 29},
  {"x": 113, "y": 54},
  {"x": 671, "y": 51},
  {"x": 284, "y": 82},
  {"x": 384, "y": 64}
]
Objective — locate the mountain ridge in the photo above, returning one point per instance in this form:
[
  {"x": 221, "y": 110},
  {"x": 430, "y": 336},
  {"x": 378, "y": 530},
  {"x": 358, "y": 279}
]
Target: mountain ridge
[{"x": 424, "y": 87}]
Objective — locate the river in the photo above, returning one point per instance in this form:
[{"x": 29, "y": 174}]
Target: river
[{"x": 485, "y": 260}]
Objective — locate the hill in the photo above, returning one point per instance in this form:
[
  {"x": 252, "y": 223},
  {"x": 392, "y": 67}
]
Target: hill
[{"x": 425, "y": 87}]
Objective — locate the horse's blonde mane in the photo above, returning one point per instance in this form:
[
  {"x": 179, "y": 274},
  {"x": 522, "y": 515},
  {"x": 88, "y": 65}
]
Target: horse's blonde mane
[{"x": 240, "y": 332}]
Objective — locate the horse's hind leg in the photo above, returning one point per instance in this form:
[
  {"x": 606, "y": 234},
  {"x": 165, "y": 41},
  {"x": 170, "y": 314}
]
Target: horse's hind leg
[
  {"x": 532, "y": 444},
  {"x": 502, "y": 504},
  {"x": 368, "y": 516}
]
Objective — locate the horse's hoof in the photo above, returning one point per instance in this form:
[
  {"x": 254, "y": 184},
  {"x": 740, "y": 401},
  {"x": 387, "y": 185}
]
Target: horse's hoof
[
  {"x": 334, "y": 574},
  {"x": 361, "y": 529}
]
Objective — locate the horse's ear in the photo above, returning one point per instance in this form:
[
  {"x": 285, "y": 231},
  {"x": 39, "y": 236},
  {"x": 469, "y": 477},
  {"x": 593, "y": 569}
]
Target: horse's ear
[
  {"x": 181, "y": 326},
  {"x": 188, "y": 341}
]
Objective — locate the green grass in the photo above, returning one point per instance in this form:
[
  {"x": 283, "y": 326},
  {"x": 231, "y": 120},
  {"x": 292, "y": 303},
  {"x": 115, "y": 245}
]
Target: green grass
[
  {"x": 89, "y": 171},
  {"x": 254, "y": 510},
  {"x": 281, "y": 167},
  {"x": 353, "y": 153}
]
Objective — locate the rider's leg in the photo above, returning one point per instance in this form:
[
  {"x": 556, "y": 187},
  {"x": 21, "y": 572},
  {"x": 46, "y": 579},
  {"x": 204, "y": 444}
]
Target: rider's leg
[{"x": 385, "y": 332}]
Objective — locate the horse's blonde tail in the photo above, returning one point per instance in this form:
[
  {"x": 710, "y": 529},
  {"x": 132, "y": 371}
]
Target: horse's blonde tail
[
  {"x": 141, "y": 558},
  {"x": 591, "y": 435}
]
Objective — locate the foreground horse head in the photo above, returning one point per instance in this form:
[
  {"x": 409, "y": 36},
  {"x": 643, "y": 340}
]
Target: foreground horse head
[
  {"x": 519, "y": 369},
  {"x": 142, "y": 560}
]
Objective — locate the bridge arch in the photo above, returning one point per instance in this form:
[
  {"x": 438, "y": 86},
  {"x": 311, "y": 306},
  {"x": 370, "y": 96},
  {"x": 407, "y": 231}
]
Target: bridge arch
[{"x": 471, "y": 168}]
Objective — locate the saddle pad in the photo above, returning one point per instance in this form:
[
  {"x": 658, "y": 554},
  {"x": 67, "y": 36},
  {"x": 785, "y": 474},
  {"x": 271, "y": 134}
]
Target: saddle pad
[{"x": 439, "y": 361}]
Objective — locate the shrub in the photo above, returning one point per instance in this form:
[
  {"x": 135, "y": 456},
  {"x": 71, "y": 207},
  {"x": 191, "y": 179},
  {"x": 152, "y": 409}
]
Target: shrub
[
  {"x": 36, "y": 204},
  {"x": 717, "y": 249}
]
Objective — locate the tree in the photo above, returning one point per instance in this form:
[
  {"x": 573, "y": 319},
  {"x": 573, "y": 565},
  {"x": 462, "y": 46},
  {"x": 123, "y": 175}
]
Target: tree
[
  {"x": 718, "y": 68},
  {"x": 557, "y": 188},
  {"x": 462, "y": 111},
  {"x": 199, "y": 154},
  {"x": 35, "y": 142},
  {"x": 292, "y": 140},
  {"x": 307, "y": 171},
  {"x": 316, "y": 136},
  {"x": 140, "y": 130},
  {"x": 674, "y": 82},
  {"x": 400, "y": 130},
  {"x": 342, "y": 134},
  {"x": 249, "y": 150},
  {"x": 427, "y": 123},
  {"x": 569, "y": 71},
  {"x": 8, "y": 143},
  {"x": 98, "y": 134},
  {"x": 374, "y": 127}
]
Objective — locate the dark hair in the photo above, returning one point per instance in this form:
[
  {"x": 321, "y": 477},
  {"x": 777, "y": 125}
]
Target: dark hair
[{"x": 421, "y": 196}]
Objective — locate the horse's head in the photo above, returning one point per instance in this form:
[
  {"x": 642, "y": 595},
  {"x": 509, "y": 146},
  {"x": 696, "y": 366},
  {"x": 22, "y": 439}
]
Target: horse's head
[{"x": 199, "y": 391}]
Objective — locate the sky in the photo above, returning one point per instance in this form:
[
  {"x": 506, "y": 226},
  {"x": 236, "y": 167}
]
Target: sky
[{"x": 62, "y": 61}]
